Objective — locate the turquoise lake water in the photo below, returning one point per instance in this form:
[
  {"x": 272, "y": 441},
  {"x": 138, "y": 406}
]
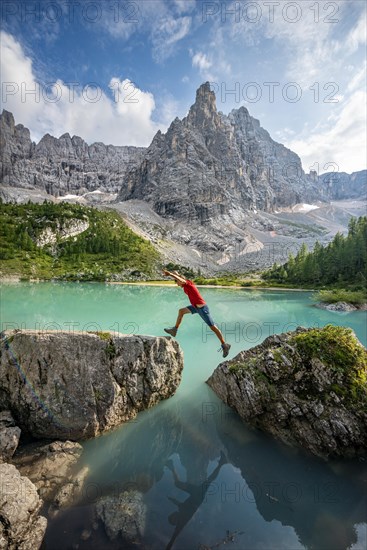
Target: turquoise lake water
[{"x": 233, "y": 487}]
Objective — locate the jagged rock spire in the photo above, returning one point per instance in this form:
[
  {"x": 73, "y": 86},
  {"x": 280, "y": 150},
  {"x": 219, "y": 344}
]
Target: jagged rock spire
[{"x": 204, "y": 111}]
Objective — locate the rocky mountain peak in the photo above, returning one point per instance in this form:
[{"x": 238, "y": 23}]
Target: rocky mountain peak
[
  {"x": 175, "y": 123},
  {"x": 210, "y": 165},
  {"x": 206, "y": 166},
  {"x": 7, "y": 119},
  {"x": 15, "y": 143},
  {"x": 8, "y": 128},
  {"x": 204, "y": 111},
  {"x": 205, "y": 96},
  {"x": 61, "y": 165}
]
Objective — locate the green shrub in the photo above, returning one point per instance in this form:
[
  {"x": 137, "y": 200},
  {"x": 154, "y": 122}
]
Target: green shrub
[
  {"x": 339, "y": 349},
  {"x": 341, "y": 295}
]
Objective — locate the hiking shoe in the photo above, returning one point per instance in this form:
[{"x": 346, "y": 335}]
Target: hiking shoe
[
  {"x": 225, "y": 348},
  {"x": 172, "y": 331}
]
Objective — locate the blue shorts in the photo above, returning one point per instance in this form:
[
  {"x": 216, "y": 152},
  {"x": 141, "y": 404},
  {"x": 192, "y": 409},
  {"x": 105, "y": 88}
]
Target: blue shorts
[{"x": 204, "y": 314}]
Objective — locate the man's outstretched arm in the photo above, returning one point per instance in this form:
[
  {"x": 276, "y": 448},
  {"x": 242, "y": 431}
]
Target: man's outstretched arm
[{"x": 175, "y": 276}]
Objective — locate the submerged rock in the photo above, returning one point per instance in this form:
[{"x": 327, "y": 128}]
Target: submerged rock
[
  {"x": 21, "y": 526},
  {"x": 307, "y": 388},
  {"x": 70, "y": 385},
  {"x": 49, "y": 466},
  {"x": 123, "y": 515}
]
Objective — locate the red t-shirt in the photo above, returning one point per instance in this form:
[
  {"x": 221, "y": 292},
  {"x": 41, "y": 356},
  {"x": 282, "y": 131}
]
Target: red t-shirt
[{"x": 194, "y": 295}]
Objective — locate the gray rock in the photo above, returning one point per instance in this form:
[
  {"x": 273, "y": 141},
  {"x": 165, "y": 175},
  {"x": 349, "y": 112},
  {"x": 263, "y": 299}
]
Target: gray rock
[
  {"x": 9, "y": 436},
  {"x": 70, "y": 228},
  {"x": 70, "y": 493},
  {"x": 18, "y": 195},
  {"x": 21, "y": 526},
  {"x": 86, "y": 534},
  {"x": 338, "y": 306},
  {"x": 84, "y": 383},
  {"x": 61, "y": 166},
  {"x": 208, "y": 166},
  {"x": 218, "y": 179},
  {"x": 123, "y": 516},
  {"x": 295, "y": 399},
  {"x": 226, "y": 158},
  {"x": 339, "y": 185}
]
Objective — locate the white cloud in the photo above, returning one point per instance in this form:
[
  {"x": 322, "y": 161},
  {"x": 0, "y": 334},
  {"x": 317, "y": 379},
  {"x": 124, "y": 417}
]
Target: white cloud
[
  {"x": 284, "y": 134},
  {"x": 359, "y": 79},
  {"x": 343, "y": 142},
  {"x": 123, "y": 20},
  {"x": 361, "y": 531},
  {"x": 123, "y": 117},
  {"x": 311, "y": 36},
  {"x": 168, "y": 109},
  {"x": 358, "y": 35},
  {"x": 165, "y": 35},
  {"x": 202, "y": 62},
  {"x": 161, "y": 22},
  {"x": 313, "y": 51}
]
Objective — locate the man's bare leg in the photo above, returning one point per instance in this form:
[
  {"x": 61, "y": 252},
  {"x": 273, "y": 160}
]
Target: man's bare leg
[
  {"x": 181, "y": 312},
  {"x": 216, "y": 330},
  {"x": 225, "y": 347}
]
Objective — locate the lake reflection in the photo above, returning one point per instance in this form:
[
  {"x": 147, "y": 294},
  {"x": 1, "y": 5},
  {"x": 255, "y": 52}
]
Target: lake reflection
[{"x": 207, "y": 478}]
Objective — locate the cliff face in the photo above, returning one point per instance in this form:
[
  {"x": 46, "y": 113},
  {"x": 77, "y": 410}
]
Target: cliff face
[
  {"x": 205, "y": 166},
  {"x": 76, "y": 385},
  {"x": 339, "y": 185},
  {"x": 209, "y": 165},
  {"x": 61, "y": 166},
  {"x": 307, "y": 388}
]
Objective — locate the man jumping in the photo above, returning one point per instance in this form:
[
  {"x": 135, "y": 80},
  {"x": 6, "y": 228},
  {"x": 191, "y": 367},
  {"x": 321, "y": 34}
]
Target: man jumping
[{"x": 198, "y": 305}]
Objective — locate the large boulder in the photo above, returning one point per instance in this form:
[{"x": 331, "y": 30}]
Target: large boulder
[
  {"x": 70, "y": 385},
  {"x": 307, "y": 388},
  {"x": 21, "y": 526}
]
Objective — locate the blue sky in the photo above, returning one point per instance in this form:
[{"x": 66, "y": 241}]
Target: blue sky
[{"x": 116, "y": 71}]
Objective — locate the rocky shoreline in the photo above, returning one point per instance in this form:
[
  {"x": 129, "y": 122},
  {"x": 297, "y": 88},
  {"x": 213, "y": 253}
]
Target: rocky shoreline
[{"x": 68, "y": 386}]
